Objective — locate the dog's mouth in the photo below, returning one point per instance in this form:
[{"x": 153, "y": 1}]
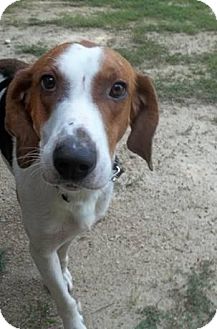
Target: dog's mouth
[
  {"x": 67, "y": 186},
  {"x": 71, "y": 187},
  {"x": 91, "y": 183}
]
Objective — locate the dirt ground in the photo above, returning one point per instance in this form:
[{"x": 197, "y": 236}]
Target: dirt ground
[{"x": 159, "y": 225}]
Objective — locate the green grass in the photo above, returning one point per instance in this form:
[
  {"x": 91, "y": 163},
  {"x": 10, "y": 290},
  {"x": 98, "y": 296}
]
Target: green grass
[
  {"x": 148, "y": 50},
  {"x": 192, "y": 308},
  {"x": 202, "y": 89},
  {"x": 38, "y": 315},
  {"x": 162, "y": 15},
  {"x": 34, "y": 49},
  {"x": 202, "y": 84},
  {"x": 173, "y": 16},
  {"x": 152, "y": 318},
  {"x": 107, "y": 20},
  {"x": 2, "y": 260}
]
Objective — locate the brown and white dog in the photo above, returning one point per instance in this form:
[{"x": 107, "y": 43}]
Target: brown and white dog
[{"x": 60, "y": 121}]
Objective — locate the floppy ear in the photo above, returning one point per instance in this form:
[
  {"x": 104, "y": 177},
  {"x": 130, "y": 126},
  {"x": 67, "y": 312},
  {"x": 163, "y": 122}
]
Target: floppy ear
[
  {"x": 143, "y": 119},
  {"x": 18, "y": 121}
]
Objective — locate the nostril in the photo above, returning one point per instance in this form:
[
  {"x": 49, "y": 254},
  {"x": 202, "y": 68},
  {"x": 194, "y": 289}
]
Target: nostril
[
  {"x": 74, "y": 163},
  {"x": 83, "y": 167},
  {"x": 61, "y": 166}
]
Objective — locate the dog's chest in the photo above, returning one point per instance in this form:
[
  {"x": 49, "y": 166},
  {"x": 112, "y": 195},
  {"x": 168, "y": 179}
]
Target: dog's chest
[
  {"x": 50, "y": 215},
  {"x": 81, "y": 209},
  {"x": 66, "y": 218}
]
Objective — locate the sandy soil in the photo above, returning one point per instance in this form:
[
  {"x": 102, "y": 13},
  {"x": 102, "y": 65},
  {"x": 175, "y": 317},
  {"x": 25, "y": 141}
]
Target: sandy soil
[{"x": 159, "y": 225}]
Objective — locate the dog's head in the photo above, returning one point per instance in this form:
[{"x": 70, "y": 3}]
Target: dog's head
[{"x": 73, "y": 106}]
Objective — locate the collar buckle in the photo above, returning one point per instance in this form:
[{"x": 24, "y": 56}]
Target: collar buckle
[{"x": 117, "y": 170}]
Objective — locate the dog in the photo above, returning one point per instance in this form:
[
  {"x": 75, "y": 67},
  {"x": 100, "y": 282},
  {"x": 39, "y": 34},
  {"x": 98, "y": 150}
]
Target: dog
[{"x": 61, "y": 119}]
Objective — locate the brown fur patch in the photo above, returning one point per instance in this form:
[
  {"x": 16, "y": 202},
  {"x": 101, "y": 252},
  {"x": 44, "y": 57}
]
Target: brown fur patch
[
  {"x": 144, "y": 118},
  {"x": 115, "y": 113},
  {"x": 88, "y": 44},
  {"x": 139, "y": 108},
  {"x": 28, "y": 106},
  {"x": 9, "y": 66}
]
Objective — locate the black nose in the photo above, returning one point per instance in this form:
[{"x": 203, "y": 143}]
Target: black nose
[{"x": 74, "y": 161}]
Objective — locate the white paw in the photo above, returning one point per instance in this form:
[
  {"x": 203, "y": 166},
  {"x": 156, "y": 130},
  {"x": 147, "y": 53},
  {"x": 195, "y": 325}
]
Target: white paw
[
  {"x": 79, "y": 323},
  {"x": 74, "y": 319},
  {"x": 79, "y": 320},
  {"x": 68, "y": 279}
]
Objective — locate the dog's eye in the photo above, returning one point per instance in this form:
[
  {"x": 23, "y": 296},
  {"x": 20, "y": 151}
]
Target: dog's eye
[
  {"x": 48, "y": 82},
  {"x": 118, "y": 90}
]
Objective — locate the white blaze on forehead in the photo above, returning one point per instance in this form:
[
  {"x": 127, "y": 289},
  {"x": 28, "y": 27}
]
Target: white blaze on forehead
[{"x": 79, "y": 65}]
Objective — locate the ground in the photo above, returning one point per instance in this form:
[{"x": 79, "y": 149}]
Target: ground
[{"x": 151, "y": 263}]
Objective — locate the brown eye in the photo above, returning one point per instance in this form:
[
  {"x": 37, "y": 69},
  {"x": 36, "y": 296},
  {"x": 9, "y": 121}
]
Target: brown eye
[
  {"x": 48, "y": 82},
  {"x": 118, "y": 90}
]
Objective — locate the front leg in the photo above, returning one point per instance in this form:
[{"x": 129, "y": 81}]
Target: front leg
[
  {"x": 63, "y": 257},
  {"x": 50, "y": 269}
]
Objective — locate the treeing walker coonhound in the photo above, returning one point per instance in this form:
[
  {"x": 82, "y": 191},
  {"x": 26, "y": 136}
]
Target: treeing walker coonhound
[{"x": 60, "y": 121}]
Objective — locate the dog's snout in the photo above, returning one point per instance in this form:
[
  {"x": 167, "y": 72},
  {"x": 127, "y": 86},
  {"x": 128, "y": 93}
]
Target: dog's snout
[{"x": 74, "y": 160}]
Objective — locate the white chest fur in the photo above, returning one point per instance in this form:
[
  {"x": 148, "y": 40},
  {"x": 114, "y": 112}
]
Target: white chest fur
[{"x": 51, "y": 219}]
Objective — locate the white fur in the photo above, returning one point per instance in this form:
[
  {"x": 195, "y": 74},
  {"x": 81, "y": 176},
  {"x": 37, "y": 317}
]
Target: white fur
[
  {"x": 79, "y": 66},
  {"x": 2, "y": 78},
  {"x": 50, "y": 221}
]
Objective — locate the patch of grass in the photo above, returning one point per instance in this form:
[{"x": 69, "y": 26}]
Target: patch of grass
[
  {"x": 34, "y": 49},
  {"x": 203, "y": 82},
  {"x": 116, "y": 19},
  {"x": 2, "y": 260},
  {"x": 152, "y": 318},
  {"x": 33, "y": 21},
  {"x": 210, "y": 60},
  {"x": 173, "y": 90},
  {"x": 148, "y": 50},
  {"x": 192, "y": 308},
  {"x": 161, "y": 15},
  {"x": 203, "y": 89},
  {"x": 180, "y": 59},
  {"x": 37, "y": 316},
  {"x": 173, "y": 16}
]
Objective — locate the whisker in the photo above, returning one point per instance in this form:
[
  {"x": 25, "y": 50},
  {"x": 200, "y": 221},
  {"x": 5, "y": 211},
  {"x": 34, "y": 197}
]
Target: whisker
[
  {"x": 30, "y": 156},
  {"x": 30, "y": 161},
  {"x": 36, "y": 169}
]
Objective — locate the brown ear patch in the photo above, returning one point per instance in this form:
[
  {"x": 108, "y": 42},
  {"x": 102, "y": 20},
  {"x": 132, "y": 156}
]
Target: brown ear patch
[
  {"x": 144, "y": 119},
  {"x": 18, "y": 121},
  {"x": 9, "y": 66}
]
